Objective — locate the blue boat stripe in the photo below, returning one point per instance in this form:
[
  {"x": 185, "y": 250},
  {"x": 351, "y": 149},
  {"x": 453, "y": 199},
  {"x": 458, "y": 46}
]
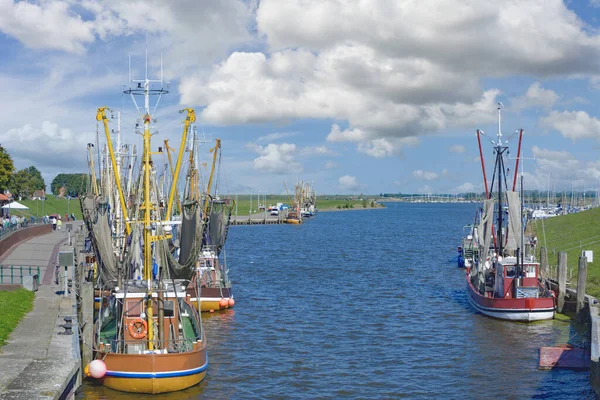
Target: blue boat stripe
[{"x": 148, "y": 375}]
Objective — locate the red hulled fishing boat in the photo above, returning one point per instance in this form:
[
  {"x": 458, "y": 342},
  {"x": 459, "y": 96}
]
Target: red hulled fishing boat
[{"x": 504, "y": 281}]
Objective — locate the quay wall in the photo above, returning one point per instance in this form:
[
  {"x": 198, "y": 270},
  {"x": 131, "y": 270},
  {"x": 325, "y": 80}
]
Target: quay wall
[
  {"x": 16, "y": 237},
  {"x": 595, "y": 347}
]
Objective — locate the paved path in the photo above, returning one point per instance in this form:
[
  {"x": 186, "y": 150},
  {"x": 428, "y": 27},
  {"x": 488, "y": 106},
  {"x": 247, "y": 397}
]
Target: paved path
[{"x": 37, "y": 362}]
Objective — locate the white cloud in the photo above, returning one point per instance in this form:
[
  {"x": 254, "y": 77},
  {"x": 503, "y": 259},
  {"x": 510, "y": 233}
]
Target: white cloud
[
  {"x": 274, "y": 136},
  {"x": 315, "y": 151},
  {"x": 425, "y": 175},
  {"x": 330, "y": 165},
  {"x": 347, "y": 135},
  {"x": 573, "y": 124},
  {"x": 466, "y": 187},
  {"x": 536, "y": 96},
  {"x": 349, "y": 183},
  {"x": 48, "y": 25},
  {"x": 457, "y": 148},
  {"x": 276, "y": 158},
  {"x": 385, "y": 147},
  {"x": 48, "y": 143},
  {"x": 560, "y": 169},
  {"x": 540, "y": 37},
  {"x": 388, "y": 80}
]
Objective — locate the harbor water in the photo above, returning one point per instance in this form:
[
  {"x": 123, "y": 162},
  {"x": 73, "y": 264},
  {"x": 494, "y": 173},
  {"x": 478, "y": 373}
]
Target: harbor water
[{"x": 366, "y": 304}]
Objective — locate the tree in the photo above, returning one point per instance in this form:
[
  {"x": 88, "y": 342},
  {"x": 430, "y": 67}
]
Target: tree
[
  {"x": 75, "y": 184},
  {"x": 7, "y": 168},
  {"x": 25, "y": 182}
]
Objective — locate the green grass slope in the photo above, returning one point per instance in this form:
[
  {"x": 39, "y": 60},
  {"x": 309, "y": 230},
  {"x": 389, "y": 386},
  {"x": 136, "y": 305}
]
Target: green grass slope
[
  {"x": 52, "y": 205},
  {"x": 13, "y": 306},
  {"x": 573, "y": 233}
]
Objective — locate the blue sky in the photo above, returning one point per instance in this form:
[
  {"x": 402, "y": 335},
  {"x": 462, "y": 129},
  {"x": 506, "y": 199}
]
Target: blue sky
[{"x": 355, "y": 96}]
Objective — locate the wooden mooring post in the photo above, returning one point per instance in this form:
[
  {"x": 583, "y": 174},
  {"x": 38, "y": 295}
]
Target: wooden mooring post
[
  {"x": 87, "y": 312},
  {"x": 544, "y": 263},
  {"x": 581, "y": 278},
  {"x": 562, "y": 279}
]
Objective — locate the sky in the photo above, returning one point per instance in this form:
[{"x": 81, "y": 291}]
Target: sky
[{"x": 355, "y": 96}]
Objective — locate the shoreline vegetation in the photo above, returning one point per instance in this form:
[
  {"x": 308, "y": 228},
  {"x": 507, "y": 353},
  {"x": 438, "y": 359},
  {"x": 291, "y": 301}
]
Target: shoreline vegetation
[
  {"x": 572, "y": 233},
  {"x": 14, "y": 304},
  {"x": 245, "y": 203}
]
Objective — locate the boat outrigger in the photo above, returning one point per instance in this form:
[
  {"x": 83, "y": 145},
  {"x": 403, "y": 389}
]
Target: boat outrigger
[
  {"x": 147, "y": 331},
  {"x": 504, "y": 281}
]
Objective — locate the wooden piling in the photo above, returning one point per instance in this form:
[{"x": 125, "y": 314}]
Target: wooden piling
[
  {"x": 545, "y": 273},
  {"x": 581, "y": 278},
  {"x": 562, "y": 279},
  {"x": 87, "y": 325}
]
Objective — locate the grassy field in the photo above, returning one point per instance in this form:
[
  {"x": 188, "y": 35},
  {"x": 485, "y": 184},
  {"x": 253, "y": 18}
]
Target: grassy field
[
  {"x": 573, "y": 233},
  {"x": 323, "y": 202},
  {"x": 13, "y": 306},
  {"x": 51, "y": 205}
]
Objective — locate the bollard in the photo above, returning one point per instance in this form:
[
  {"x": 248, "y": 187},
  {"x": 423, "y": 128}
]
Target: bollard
[
  {"x": 562, "y": 279},
  {"x": 12, "y": 274},
  {"x": 581, "y": 279}
]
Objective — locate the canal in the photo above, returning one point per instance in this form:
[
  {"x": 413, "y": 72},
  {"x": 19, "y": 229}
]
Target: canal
[{"x": 366, "y": 304}]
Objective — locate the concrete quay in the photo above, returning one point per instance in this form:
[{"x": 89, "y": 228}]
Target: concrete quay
[{"x": 39, "y": 362}]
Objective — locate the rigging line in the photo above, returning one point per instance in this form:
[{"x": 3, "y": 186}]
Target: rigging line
[{"x": 487, "y": 137}]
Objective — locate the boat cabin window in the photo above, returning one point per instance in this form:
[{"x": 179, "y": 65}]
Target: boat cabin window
[
  {"x": 510, "y": 271},
  {"x": 169, "y": 308},
  {"x": 530, "y": 271},
  {"x": 134, "y": 308}
]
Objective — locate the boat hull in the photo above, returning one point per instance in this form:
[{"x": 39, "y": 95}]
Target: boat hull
[
  {"x": 210, "y": 299},
  {"x": 521, "y": 309},
  {"x": 154, "y": 373}
]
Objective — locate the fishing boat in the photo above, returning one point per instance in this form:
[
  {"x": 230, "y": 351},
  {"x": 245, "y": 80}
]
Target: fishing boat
[
  {"x": 504, "y": 281},
  {"x": 210, "y": 287},
  {"x": 468, "y": 251},
  {"x": 147, "y": 333}
]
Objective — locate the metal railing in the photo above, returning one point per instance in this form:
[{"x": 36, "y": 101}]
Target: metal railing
[
  {"x": 9, "y": 228},
  {"x": 139, "y": 346},
  {"x": 4, "y": 277}
]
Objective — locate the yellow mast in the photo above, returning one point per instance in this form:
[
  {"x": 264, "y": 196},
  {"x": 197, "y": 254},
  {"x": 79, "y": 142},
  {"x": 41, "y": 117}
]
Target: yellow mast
[
  {"x": 92, "y": 170},
  {"x": 189, "y": 119},
  {"x": 214, "y": 150},
  {"x": 168, "y": 148},
  {"x": 147, "y": 206},
  {"x": 101, "y": 116}
]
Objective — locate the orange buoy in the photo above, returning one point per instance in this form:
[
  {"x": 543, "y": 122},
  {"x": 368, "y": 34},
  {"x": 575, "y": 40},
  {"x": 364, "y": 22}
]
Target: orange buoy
[
  {"x": 137, "y": 328},
  {"x": 223, "y": 303},
  {"x": 231, "y": 302},
  {"x": 86, "y": 370}
]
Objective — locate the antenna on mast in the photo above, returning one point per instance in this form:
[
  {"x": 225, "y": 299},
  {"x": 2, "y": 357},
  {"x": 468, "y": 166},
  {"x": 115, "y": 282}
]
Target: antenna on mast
[
  {"x": 500, "y": 107},
  {"x": 146, "y": 87}
]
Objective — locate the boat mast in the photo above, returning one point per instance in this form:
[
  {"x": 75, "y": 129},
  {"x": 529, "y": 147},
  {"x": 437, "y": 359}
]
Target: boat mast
[
  {"x": 500, "y": 149},
  {"x": 143, "y": 88}
]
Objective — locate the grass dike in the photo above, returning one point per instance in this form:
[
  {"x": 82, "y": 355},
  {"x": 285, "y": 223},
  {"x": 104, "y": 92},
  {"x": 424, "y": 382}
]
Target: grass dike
[
  {"x": 14, "y": 304},
  {"x": 572, "y": 233}
]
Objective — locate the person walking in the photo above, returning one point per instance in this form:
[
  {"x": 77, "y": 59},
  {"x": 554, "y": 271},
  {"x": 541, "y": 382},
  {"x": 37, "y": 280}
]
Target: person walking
[
  {"x": 59, "y": 224},
  {"x": 53, "y": 222}
]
